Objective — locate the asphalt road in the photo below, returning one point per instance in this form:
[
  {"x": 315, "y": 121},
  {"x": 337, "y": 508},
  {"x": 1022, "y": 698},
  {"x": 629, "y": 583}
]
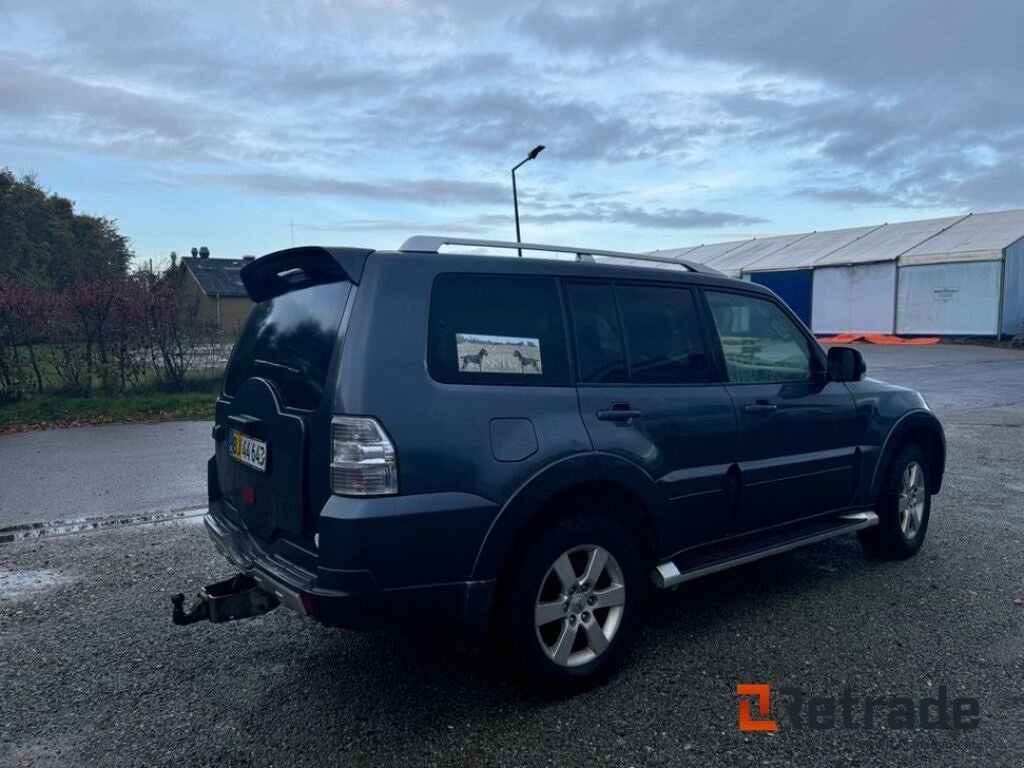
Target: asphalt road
[
  {"x": 94, "y": 673},
  {"x": 85, "y": 472},
  {"x": 951, "y": 376}
]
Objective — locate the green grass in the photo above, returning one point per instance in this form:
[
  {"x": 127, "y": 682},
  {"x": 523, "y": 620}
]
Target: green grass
[
  {"x": 46, "y": 354},
  {"x": 55, "y": 410}
]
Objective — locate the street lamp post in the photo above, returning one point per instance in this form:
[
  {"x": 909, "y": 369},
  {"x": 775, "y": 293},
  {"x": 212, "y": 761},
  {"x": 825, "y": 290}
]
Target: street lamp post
[{"x": 515, "y": 197}]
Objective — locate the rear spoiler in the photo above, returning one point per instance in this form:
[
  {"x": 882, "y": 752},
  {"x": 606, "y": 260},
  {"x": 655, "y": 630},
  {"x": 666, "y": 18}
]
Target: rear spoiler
[{"x": 294, "y": 268}]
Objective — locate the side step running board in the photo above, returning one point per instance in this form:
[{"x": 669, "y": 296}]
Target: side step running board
[{"x": 668, "y": 574}]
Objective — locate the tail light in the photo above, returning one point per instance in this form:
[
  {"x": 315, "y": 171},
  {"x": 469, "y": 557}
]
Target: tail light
[{"x": 363, "y": 460}]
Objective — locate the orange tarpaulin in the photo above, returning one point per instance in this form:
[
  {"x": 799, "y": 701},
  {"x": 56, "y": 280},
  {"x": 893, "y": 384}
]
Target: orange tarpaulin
[
  {"x": 881, "y": 338},
  {"x": 842, "y": 338},
  {"x": 877, "y": 338}
]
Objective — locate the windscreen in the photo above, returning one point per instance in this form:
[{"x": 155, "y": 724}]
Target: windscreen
[{"x": 289, "y": 340}]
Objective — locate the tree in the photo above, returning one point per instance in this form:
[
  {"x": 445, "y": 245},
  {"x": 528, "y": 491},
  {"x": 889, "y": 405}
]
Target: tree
[{"x": 45, "y": 242}]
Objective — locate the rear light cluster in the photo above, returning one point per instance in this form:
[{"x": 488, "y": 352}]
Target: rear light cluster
[{"x": 363, "y": 461}]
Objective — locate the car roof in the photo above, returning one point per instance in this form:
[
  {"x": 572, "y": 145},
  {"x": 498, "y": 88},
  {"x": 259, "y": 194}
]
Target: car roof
[{"x": 531, "y": 265}]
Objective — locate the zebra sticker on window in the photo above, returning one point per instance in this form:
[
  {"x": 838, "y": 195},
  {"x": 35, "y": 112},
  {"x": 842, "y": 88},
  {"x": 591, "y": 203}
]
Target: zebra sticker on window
[{"x": 481, "y": 353}]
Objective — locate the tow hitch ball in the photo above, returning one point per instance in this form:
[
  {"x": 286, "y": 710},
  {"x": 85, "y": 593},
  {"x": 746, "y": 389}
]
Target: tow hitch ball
[
  {"x": 239, "y": 597},
  {"x": 198, "y": 612}
]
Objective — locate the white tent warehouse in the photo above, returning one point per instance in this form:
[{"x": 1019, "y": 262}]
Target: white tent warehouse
[
  {"x": 969, "y": 279},
  {"x": 855, "y": 286},
  {"x": 957, "y": 276},
  {"x": 789, "y": 272}
]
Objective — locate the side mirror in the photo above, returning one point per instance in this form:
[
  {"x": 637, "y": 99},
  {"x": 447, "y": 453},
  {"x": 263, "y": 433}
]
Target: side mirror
[{"x": 846, "y": 364}]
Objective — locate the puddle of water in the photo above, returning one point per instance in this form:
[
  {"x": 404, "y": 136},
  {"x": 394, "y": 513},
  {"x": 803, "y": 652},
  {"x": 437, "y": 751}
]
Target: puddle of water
[
  {"x": 60, "y": 527},
  {"x": 18, "y": 585}
]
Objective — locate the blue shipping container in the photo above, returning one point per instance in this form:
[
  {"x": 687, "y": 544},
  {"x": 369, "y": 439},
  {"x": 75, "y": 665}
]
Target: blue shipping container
[{"x": 793, "y": 286}]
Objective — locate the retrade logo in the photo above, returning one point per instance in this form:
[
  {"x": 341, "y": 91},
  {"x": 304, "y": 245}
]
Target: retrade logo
[
  {"x": 854, "y": 712},
  {"x": 762, "y": 695}
]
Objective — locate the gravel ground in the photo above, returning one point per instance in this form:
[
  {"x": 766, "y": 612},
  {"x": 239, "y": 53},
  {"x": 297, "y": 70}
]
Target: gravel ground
[{"x": 94, "y": 673}]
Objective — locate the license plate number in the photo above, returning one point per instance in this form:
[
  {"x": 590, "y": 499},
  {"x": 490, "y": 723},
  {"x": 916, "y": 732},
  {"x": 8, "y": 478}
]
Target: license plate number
[{"x": 249, "y": 451}]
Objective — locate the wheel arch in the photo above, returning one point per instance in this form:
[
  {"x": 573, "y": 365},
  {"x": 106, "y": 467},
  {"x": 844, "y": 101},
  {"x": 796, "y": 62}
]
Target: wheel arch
[
  {"x": 919, "y": 427},
  {"x": 611, "y": 485}
]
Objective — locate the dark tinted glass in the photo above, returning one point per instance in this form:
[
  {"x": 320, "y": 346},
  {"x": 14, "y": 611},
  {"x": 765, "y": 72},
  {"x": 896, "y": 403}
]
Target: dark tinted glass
[
  {"x": 289, "y": 340},
  {"x": 759, "y": 341},
  {"x": 663, "y": 337},
  {"x": 497, "y": 329},
  {"x": 602, "y": 359}
]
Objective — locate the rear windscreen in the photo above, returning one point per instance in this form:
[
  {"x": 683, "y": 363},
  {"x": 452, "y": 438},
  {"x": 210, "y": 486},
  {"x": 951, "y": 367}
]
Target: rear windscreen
[{"x": 289, "y": 340}]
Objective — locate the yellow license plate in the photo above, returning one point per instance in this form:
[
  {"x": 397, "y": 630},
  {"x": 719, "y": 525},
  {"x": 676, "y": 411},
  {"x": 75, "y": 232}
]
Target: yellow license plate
[{"x": 249, "y": 451}]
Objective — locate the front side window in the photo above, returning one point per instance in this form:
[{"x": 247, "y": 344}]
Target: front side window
[
  {"x": 497, "y": 329},
  {"x": 759, "y": 342}
]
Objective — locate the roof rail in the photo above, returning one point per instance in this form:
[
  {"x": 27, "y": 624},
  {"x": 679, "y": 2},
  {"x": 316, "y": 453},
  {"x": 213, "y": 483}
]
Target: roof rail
[{"x": 433, "y": 243}]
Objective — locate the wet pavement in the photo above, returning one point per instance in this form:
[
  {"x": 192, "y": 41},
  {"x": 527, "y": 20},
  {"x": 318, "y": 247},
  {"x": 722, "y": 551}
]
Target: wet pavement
[
  {"x": 88, "y": 472},
  {"x": 951, "y": 376}
]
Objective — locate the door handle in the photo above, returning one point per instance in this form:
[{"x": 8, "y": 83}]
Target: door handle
[
  {"x": 250, "y": 425},
  {"x": 761, "y": 406},
  {"x": 620, "y": 413}
]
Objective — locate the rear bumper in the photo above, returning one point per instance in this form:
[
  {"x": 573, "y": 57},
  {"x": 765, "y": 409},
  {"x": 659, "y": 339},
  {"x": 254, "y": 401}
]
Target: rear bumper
[
  {"x": 284, "y": 580},
  {"x": 350, "y": 599}
]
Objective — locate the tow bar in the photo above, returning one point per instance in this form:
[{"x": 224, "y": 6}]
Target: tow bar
[{"x": 239, "y": 597}]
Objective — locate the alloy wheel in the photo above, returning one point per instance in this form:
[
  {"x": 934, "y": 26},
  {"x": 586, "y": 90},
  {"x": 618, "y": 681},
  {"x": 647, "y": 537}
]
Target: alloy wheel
[
  {"x": 912, "y": 499},
  {"x": 579, "y": 605}
]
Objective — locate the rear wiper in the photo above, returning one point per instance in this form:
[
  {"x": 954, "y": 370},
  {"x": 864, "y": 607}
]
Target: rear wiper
[{"x": 268, "y": 364}]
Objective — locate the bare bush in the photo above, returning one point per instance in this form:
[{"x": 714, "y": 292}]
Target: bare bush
[
  {"x": 127, "y": 335},
  {"x": 23, "y": 311},
  {"x": 119, "y": 332},
  {"x": 176, "y": 332},
  {"x": 67, "y": 348}
]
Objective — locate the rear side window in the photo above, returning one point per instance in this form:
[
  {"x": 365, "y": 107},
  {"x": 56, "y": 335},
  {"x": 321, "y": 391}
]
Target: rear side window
[
  {"x": 663, "y": 337},
  {"x": 759, "y": 341},
  {"x": 657, "y": 341},
  {"x": 497, "y": 329},
  {"x": 599, "y": 345},
  {"x": 289, "y": 340}
]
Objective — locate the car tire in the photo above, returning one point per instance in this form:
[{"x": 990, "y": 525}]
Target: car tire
[
  {"x": 563, "y": 627},
  {"x": 903, "y": 508}
]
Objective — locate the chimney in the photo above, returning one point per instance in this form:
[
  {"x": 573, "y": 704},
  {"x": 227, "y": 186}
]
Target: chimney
[{"x": 204, "y": 252}]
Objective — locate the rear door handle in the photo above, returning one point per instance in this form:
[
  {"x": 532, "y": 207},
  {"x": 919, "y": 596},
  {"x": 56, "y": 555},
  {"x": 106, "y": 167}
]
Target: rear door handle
[
  {"x": 620, "y": 413},
  {"x": 249, "y": 425},
  {"x": 761, "y": 406}
]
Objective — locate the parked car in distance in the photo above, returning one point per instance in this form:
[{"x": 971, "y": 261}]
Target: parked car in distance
[{"x": 527, "y": 445}]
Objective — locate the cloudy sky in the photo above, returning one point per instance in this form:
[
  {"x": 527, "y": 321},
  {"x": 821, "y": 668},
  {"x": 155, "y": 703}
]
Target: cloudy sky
[{"x": 667, "y": 122}]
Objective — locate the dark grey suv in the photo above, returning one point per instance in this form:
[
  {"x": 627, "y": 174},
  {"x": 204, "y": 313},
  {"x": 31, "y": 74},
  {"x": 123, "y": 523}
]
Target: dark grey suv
[{"x": 528, "y": 444}]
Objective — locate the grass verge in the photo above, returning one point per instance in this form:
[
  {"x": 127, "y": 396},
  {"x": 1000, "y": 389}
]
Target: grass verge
[{"x": 52, "y": 410}]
